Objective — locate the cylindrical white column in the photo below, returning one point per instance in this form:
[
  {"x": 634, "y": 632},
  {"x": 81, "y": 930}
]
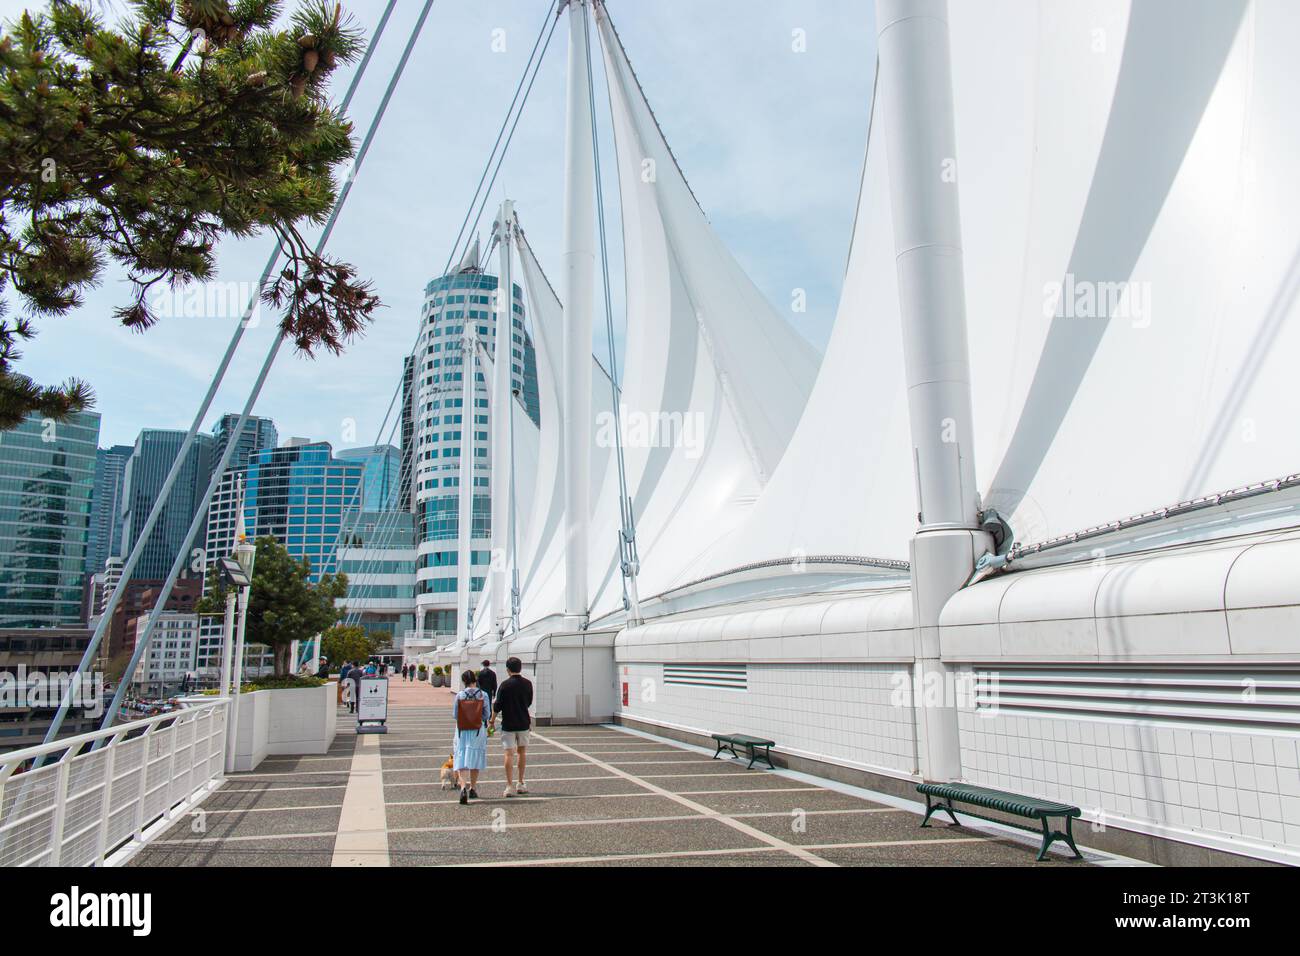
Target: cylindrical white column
[
  {"x": 917, "y": 109},
  {"x": 916, "y": 101},
  {"x": 579, "y": 295},
  {"x": 502, "y": 359},
  {"x": 465, "y": 500}
]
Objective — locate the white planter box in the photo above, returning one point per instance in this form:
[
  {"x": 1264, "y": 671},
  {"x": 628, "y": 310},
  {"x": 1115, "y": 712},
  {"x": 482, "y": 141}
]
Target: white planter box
[{"x": 297, "y": 722}]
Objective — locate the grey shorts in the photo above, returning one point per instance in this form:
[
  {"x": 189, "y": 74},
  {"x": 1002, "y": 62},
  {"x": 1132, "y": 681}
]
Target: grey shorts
[{"x": 514, "y": 739}]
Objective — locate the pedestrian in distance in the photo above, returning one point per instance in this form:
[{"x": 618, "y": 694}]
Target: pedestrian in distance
[
  {"x": 487, "y": 683},
  {"x": 513, "y": 698},
  {"x": 470, "y": 713}
]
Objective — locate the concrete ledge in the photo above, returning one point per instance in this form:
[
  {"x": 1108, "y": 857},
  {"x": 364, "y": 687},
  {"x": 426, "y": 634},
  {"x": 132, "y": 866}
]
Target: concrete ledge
[{"x": 1149, "y": 848}]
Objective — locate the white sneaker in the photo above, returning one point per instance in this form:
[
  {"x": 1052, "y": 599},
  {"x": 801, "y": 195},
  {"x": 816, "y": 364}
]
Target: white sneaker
[
  {"x": 522, "y": 788},
  {"x": 510, "y": 792}
]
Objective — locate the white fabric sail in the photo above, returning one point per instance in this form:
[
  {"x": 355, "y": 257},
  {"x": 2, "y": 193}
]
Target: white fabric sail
[
  {"x": 546, "y": 318},
  {"x": 845, "y": 485},
  {"x": 1131, "y": 219},
  {"x": 715, "y": 379}
]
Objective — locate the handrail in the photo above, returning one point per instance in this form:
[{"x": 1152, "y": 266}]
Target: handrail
[
  {"x": 74, "y": 744},
  {"x": 110, "y": 790}
]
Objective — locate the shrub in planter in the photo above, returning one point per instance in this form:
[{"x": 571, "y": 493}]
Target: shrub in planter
[{"x": 423, "y": 672}]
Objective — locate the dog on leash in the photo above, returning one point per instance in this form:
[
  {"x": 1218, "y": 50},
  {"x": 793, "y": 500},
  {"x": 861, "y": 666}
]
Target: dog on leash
[{"x": 447, "y": 774}]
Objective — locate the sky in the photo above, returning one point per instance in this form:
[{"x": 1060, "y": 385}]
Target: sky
[{"x": 765, "y": 106}]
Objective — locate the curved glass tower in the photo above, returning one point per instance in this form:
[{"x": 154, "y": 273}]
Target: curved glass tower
[{"x": 452, "y": 303}]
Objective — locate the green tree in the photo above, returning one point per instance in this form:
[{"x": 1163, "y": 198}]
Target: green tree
[
  {"x": 148, "y": 142},
  {"x": 347, "y": 642},
  {"x": 284, "y": 605}
]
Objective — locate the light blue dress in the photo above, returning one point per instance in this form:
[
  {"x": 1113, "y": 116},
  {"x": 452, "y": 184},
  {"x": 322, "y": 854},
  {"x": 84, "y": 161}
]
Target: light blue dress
[{"x": 470, "y": 746}]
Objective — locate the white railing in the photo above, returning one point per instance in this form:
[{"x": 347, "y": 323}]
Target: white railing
[{"x": 109, "y": 790}]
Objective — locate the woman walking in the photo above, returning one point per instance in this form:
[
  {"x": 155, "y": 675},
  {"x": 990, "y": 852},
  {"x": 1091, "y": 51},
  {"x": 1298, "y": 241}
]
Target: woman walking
[{"x": 470, "y": 711}]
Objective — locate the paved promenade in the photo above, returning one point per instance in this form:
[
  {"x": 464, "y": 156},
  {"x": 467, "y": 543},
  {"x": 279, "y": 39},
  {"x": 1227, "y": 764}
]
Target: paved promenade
[{"x": 599, "y": 796}]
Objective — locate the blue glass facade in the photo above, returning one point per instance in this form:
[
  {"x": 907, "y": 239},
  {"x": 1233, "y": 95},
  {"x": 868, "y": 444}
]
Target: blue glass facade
[
  {"x": 299, "y": 496},
  {"x": 47, "y": 477},
  {"x": 382, "y": 476},
  {"x": 147, "y": 469},
  {"x": 106, "y": 506}
]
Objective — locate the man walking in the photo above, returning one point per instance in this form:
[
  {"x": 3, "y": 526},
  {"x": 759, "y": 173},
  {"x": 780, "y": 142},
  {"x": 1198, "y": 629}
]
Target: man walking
[
  {"x": 513, "y": 698},
  {"x": 487, "y": 682}
]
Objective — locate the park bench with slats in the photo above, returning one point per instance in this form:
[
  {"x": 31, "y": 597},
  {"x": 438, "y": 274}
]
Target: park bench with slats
[
  {"x": 941, "y": 796},
  {"x": 752, "y": 745}
]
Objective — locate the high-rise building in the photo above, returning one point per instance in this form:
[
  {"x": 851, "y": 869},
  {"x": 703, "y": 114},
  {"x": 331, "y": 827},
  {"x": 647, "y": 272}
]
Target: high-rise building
[
  {"x": 299, "y": 496},
  {"x": 453, "y": 303},
  {"x": 379, "y": 490},
  {"x": 405, "y": 488},
  {"x": 47, "y": 478},
  {"x": 151, "y": 460},
  {"x": 171, "y": 653},
  {"x": 378, "y": 556},
  {"x": 106, "y": 507},
  {"x": 259, "y": 434}
]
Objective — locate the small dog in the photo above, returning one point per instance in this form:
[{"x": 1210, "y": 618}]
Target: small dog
[{"x": 447, "y": 774}]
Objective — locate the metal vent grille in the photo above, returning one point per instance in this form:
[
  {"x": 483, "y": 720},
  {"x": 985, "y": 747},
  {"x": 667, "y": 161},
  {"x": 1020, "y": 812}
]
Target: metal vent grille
[
  {"x": 1245, "y": 697},
  {"x": 725, "y": 676}
]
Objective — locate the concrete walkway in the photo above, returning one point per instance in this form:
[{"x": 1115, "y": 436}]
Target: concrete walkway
[{"x": 599, "y": 796}]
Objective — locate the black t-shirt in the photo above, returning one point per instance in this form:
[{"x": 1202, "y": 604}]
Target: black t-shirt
[
  {"x": 512, "y": 700},
  {"x": 487, "y": 680}
]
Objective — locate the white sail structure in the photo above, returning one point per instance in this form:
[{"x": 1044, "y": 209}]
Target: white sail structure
[
  {"x": 1132, "y": 224},
  {"x": 715, "y": 379},
  {"x": 1119, "y": 174},
  {"x": 714, "y": 385},
  {"x": 845, "y": 486}
]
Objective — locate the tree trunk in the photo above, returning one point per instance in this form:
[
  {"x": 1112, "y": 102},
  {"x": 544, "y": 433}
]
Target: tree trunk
[{"x": 282, "y": 663}]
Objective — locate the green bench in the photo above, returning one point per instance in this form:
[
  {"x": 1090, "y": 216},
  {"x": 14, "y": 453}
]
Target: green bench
[
  {"x": 752, "y": 745},
  {"x": 940, "y": 796}
]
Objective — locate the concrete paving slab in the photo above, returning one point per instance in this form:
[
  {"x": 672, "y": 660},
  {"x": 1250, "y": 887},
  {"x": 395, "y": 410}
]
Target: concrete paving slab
[{"x": 605, "y": 838}]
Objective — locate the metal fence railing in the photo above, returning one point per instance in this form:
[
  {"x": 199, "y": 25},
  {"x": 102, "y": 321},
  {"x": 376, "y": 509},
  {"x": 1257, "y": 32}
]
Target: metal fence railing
[{"x": 102, "y": 791}]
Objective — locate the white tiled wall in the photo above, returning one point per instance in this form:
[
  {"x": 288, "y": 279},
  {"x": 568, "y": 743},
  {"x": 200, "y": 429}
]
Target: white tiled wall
[
  {"x": 1225, "y": 783},
  {"x": 841, "y": 713}
]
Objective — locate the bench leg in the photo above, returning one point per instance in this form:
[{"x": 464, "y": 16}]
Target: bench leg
[
  {"x": 1069, "y": 837},
  {"x": 931, "y": 808},
  {"x": 718, "y": 751},
  {"x": 1050, "y": 836}
]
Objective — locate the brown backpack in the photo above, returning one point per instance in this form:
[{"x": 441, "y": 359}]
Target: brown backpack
[{"x": 469, "y": 713}]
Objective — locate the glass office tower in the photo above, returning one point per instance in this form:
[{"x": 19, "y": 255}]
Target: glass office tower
[
  {"x": 452, "y": 303},
  {"x": 47, "y": 477},
  {"x": 147, "y": 469},
  {"x": 299, "y": 495},
  {"x": 380, "y": 490}
]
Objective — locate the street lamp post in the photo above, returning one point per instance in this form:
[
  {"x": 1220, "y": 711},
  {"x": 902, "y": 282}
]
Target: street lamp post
[
  {"x": 244, "y": 554},
  {"x": 227, "y": 645}
]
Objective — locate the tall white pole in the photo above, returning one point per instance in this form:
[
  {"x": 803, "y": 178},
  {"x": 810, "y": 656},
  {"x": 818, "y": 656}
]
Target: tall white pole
[
  {"x": 502, "y": 481},
  {"x": 227, "y": 644},
  {"x": 465, "y": 501},
  {"x": 917, "y": 106},
  {"x": 579, "y": 295}
]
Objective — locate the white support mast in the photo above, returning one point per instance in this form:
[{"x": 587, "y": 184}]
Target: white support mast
[
  {"x": 502, "y": 400},
  {"x": 916, "y": 95},
  {"x": 465, "y": 501},
  {"x": 579, "y": 296}
]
